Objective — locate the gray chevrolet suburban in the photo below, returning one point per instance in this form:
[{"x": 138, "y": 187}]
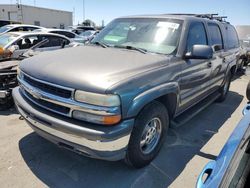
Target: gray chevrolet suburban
[{"x": 114, "y": 98}]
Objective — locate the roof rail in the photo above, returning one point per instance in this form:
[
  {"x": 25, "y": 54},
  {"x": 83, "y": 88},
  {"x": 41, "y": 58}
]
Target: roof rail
[{"x": 208, "y": 16}]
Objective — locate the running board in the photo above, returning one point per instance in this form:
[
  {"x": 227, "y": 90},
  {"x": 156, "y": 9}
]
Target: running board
[{"x": 193, "y": 111}]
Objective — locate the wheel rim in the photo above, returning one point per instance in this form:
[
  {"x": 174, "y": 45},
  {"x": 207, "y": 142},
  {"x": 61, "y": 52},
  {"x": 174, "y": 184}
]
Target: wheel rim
[{"x": 151, "y": 135}]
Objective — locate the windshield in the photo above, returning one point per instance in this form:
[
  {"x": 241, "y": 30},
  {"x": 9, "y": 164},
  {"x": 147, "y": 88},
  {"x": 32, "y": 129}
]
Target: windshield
[
  {"x": 6, "y": 38},
  {"x": 153, "y": 35},
  {"x": 5, "y": 28}
]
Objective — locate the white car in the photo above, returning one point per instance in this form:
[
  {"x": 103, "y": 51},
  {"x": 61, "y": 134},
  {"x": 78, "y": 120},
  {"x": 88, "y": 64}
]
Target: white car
[
  {"x": 67, "y": 33},
  {"x": 21, "y": 41},
  {"x": 18, "y": 28}
]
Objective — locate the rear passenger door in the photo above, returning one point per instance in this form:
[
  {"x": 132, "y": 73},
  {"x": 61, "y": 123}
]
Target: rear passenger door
[
  {"x": 217, "y": 64},
  {"x": 195, "y": 75}
]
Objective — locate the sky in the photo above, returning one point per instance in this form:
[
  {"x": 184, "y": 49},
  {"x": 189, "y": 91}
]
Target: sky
[{"x": 238, "y": 11}]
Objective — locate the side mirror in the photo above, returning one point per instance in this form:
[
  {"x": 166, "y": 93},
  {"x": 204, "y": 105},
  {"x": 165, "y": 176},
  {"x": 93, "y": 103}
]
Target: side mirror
[{"x": 200, "y": 52}]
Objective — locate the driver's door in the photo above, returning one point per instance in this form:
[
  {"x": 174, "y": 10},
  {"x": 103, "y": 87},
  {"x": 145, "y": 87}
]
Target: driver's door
[{"x": 195, "y": 75}]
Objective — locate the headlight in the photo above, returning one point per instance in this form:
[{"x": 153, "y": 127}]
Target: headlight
[
  {"x": 105, "y": 120},
  {"x": 97, "y": 99}
]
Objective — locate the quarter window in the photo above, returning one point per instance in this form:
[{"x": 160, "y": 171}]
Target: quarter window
[
  {"x": 215, "y": 33},
  {"x": 197, "y": 35},
  {"x": 232, "y": 37}
]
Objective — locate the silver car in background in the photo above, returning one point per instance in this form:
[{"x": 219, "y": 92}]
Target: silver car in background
[
  {"x": 73, "y": 36},
  {"x": 18, "y": 28},
  {"x": 20, "y": 42}
]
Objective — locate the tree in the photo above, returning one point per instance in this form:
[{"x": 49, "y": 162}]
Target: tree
[{"x": 89, "y": 22}]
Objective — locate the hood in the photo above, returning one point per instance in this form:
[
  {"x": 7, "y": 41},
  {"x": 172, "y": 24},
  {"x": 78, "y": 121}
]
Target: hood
[{"x": 90, "y": 68}]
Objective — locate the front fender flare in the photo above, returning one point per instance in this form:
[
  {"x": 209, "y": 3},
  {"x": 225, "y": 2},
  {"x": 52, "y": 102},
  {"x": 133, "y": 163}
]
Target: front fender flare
[{"x": 146, "y": 97}]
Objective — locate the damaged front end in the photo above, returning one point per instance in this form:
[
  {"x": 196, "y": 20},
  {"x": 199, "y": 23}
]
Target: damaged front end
[{"x": 8, "y": 81}]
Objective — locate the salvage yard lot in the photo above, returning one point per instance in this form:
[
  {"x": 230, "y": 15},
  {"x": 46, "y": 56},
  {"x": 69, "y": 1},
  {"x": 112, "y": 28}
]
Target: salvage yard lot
[{"x": 27, "y": 160}]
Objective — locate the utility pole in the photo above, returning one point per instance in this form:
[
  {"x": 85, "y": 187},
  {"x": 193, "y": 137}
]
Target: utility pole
[{"x": 83, "y": 8}]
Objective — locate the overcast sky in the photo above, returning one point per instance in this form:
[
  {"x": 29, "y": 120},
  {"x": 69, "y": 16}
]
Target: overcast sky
[{"x": 238, "y": 11}]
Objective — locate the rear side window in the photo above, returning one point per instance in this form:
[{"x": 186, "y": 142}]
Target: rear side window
[
  {"x": 64, "y": 33},
  {"x": 54, "y": 41},
  {"x": 197, "y": 35},
  {"x": 232, "y": 37},
  {"x": 215, "y": 33}
]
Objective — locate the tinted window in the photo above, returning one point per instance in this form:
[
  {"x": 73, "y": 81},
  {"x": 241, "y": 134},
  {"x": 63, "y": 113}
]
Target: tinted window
[
  {"x": 197, "y": 35},
  {"x": 29, "y": 28},
  {"x": 17, "y": 29},
  {"x": 64, "y": 33},
  {"x": 232, "y": 37},
  {"x": 53, "y": 41},
  {"x": 215, "y": 34}
]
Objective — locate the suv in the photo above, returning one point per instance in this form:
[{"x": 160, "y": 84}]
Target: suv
[{"x": 114, "y": 98}]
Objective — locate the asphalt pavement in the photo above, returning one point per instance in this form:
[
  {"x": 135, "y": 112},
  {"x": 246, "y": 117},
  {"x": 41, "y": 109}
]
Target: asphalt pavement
[{"x": 27, "y": 160}]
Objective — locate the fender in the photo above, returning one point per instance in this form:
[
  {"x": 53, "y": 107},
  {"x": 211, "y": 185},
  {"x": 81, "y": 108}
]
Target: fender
[{"x": 147, "y": 96}]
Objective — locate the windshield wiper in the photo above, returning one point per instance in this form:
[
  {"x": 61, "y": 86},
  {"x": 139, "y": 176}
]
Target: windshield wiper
[
  {"x": 144, "y": 51},
  {"x": 100, "y": 44}
]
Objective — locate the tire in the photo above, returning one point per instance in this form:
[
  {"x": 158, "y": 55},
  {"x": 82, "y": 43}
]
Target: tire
[
  {"x": 248, "y": 91},
  {"x": 139, "y": 155},
  {"x": 225, "y": 88},
  {"x": 6, "y": 104}
]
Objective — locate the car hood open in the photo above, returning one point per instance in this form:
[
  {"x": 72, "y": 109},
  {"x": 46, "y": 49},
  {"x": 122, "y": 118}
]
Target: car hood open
[{"x": 90, "y": 68}]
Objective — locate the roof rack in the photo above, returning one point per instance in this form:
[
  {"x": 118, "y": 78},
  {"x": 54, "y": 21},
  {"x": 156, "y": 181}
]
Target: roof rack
[{"x": 208, "y": 16}]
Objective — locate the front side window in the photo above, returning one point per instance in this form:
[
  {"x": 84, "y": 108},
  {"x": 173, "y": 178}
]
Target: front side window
[
  {"x": 153, "y": 35},
  {"x": 215, "y": 33},
  {"x": 27, "y": 42},
  {"x": 196, "y": 35}
]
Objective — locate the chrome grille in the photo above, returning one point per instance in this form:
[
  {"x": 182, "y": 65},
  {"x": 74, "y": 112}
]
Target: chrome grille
[
  {"x": 48, "y": 105},
  {"x": 48, "y": 88}
]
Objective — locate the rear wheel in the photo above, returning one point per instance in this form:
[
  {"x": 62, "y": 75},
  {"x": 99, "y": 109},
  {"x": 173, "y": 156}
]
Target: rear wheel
[
  {"x": 225, "y": 88},
  {"x": 148, "y": 135}
]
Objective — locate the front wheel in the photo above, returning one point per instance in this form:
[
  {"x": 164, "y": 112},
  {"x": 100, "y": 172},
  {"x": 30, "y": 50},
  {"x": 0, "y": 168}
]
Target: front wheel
[
  {"x": 225, "y": 88},
  {"x": 148, "y": 135}
]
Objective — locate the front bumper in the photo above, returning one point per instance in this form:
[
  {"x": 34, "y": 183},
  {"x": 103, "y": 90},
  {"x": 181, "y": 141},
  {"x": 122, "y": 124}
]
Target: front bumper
[{"x": 109, "y": 143}]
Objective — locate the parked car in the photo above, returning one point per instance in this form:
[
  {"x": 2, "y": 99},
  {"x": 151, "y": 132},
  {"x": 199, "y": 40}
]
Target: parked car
[
  {"x": 22, "y": 41},
  {"x": 232, "y": 166},
  {"x": 8, "y": 71},
  {"x": 245, "y": 44},
  {"x": 79, "y": 29},
  {"x": 88, "y": 35},
  {"x": 18, "y": 28},
  {"x": 69, "y": 34},
  {"x": 114, "y": 98}
]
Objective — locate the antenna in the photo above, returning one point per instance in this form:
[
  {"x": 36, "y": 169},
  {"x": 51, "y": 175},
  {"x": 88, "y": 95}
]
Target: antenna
[{"x": 83, "y": 9}]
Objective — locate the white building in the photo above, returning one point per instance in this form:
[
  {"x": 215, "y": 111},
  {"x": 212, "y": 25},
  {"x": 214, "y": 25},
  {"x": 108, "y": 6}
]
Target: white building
[{"x": 36, "y": 16}]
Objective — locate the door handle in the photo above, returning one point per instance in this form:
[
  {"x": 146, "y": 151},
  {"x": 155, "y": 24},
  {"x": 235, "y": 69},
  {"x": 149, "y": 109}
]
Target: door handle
[
  {"x": 209, "y": 64},
  {"x": 207, "y": 171}
]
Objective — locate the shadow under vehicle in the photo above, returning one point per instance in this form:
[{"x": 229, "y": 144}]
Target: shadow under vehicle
[{"x": 232, "y": 166}]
